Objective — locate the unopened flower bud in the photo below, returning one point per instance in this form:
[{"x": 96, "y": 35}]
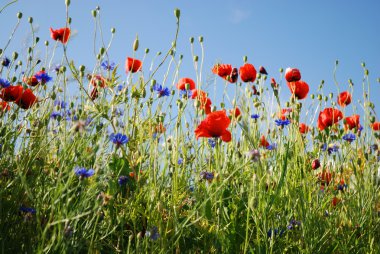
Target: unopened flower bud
[
  {"x": 315, "y": 164},
  {"x": 82, "y": 68},
  {"x": 245, "y": 59},
  {"x": 200, "y": 39},
  {"x": 67, "y": 2},
  {"x": 146, "y": 51},
  {"x": 46, "y": 43},
  {"x": 191, "y": 39},
  {"x": 136, "y": 44},
  {"x": 113, "y": 30},
  {"x": 19, "y": 15},
  {"x": 195, "y": 58},
  {"x": 15, "y": 55},
  {"x": 30, "y": 20},
  {"x": 94, "y": 13},
  {"x": 177, "y": 13}
]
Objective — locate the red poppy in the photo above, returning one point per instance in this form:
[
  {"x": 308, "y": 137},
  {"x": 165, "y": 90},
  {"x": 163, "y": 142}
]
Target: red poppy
[
  {"x": 11, "y": 93},
  {"x": 4, "y": 106},
  {"x": 292, "y": 74},
  {"x": 94, "y": 93},
  {"x": 61, "y": 34},
  {"x": 214, "y": 125},
  {"x": 300, "y": 89},
  {"x": 205, "y": 104},
  {"x": 235, "y": 112},
  {"x": 375, "y": 126},
  {"x": 226, "y": 72},
  {"x": 303, "y": 128},
  {"x": 30, "y": 81},
  {"x": 160, "y": 128},
  {"x": 284, "y": 114},
  {"x": 264, "y": 142},
  {"x": 344, "y": 99},
  {"x": 197, "y": 93},
  {"x": 328, "y": 117},
  {"x": 325, "y": 177},
  {"x": 352, "y": 122},
  {"x": 273, "y": 83},
  {"x": 132, "y": 65},
  {"x": 98, "y": 80},
  {"x": 315, "y": 164},
  {"x": 181, "y": 85},
  {"x": 247, "y": 73},
  {"x": 27, "y": 99},
  {"x": 335, "y": 201}
]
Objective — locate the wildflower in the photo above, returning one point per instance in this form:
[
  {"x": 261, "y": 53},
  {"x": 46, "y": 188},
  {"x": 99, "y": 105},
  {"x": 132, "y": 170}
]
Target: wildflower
[
  {"x": 4, "y": 107},
  {"x": 264, "y": 142},
  {"x": 226, "y": 72},
  {"x": 262, "y": 70},
  {"x": 271, "y": 147},
  {"x": 328, "y": 117},
  {"x": 132, "y": 65},
  {"x": 30, "y": 81},
  {"x": 303, "y": 128},
  {"x": 352, "y": 122},
  {"x": 122, "y": 180},
  {"x": 254, "y": 155},
  {"x": 56, "y": 115},
  {"x": 292, "y": 74},
  {"x": 94, "y": 93},
  {"x": 344, "y": 99},
  {"x": 349, "y": 137},
  {"x": 83, "y": 172},
  {"x": 247, "y": 73},
  {"x": 282, "y": 123},
  {"x": 235, "y": 112},
  {"x": 27, "y": 99},
  {"x": 60, "y": 104},
  {"x": 375, "y": 126},
  {"x": 204, "y": 104},
  {"x": 161, "y": 91},
  {"x": 108, "y": 66},
  {"x": 214, "y": 125},
  {"x": 152, "y": 233},
  {"x": 335, "y": 201},
  {"x": 61, "y": 34},
  {"x": 273, "y": 83},
  {"x": 342, "y": 185},
  {"x": 315, "y": 164},
  {"x": 4, "y": 83},
  {"x": 186, "y": 84},
  {"x": 332, "y": 148},
  {"x": 209, "y": 176},
  {"x": 119, "y": 87},
  {"x": 28, "y": 210},
  {"x": 5, "y": 62},
  {"x": 119, "y": 139},
  {"x": 212, "y": 142},
  {"x": 180, "y": 161},
  {"x": 98, "y": 80},
  {"x": 198, "y": 94},
  {"x": 293, "y": 224},
  {"x": 325, "y": 177},
  {"x": 275, "y": 232},
  {"x": 299, "y": 89},
  {"x": 285, "y": 113},
  {"x": 255, "y": 116},
  {"x": 42, "y": 77}
]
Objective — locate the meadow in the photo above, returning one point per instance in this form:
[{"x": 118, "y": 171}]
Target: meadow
[{"x": 140, "y": 159}]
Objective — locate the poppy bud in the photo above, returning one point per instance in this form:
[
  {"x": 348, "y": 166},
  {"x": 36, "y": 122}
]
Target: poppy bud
[
  {"x": 245, "y": 59},
  {"x": 366, "y": 72},
  {"x": 46, "y": 43},
  {"x": 372, "y": 119},
  {"x": 378, "y": 80},
  {"x": 326, "y": 99},
  {"x": 172, "y": 92},
  {"x": 331, "y": 95},
  {"x": 113, "y": 30},
  {"x": 200, "y": 39},
  {"x": 98, "y": 56},
  {"x": 180, "y": 57},
  {"x": 93, "y": 12},
  {"x": 102, "y": 50},
  {"x": 281, "y": 70},
  {"x": 19, "y": 63},
  {"x": 14, "y": 55},
  {"x": 312, "y": 96},
  {"x": 30, "y": 20},
  {"x": 315, "y": 164},
  {"x": 136, "y": 44},
  {"x": 191, "y": 40},
  {"x": 69, "y": 20},
  {"x": 177, "y": 13},
  {"x": 19, "y": 15},
  {"x": 1, "y": 51},
  {"x": 195, "y": 58},
  {"x": 319, "y": 97},
  {"x": 363, "y": 64},
  {"x": 14, "y": 79},
  {"x": 67, "y": 2},
  {"x": 146, "y": 51}
]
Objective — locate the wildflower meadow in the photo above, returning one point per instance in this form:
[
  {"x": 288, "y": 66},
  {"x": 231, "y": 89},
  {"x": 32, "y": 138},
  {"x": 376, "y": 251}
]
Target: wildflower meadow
[{"x": 140, "y": 157}]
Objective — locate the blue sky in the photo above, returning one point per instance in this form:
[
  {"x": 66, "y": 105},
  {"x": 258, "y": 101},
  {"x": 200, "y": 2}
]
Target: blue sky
[{"x": 309, "y": 35}]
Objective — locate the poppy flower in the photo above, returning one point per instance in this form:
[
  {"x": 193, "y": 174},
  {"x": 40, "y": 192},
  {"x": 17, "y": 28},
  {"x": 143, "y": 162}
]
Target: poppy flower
[
  {"x": 232, "y": 78},
  {"x": 30, "y": 81},
  {"x": 315, "y": 164},
  {"x": 11, "y": 93},
  {"x": 262, "y": 70},
  {"x": 303, "y": 128},
  {"x": 205, "y": 104},
  {"x": 226, "y": 72},
  {"x": 344, "y": 99},
  {"x": 335, "y": 201},
  {"x": 375, "y": 126},
  {"x": 247, "y": 73},
  {"x": 197, "y": 93},
  {"x": 352, "y": 122},
  {"x": 132, "y": 65},
  {"x": 300, "y": 89},
  {"x": 273, "y": 83},
  {"x": 27, "y": 99},
  {"x": 264, "y": 142},
  {"x": 4, "y": 106},
  {"x": 235, "y": 112},
  {"x": 40, "y": 77},
  {"x": 61, "y": 34},
  {"x": 325, "y": 177},
  {"x": 292, "y": 74},
  {"x": 285, "y": 113},
  {"x": 98, "y": 80},
  {"x": 181, "y": 85},
  {"x": 328, "y": 117},
  {"x": 160, "y": 128},
  {"x": 214, "y": 125}
]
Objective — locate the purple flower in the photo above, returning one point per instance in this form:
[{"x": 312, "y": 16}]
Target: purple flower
[
  {"x": 207, "y": 175},
  {"x": 60, "y": 104},
  {"x": 185, "y": 93},
  {"x": 162, "y": 91},
  {"x": 275, "y": 232},
  {"x": 5, "y": 62},
  {"x": 56, "y": 115},
  {"x": 349, "y": 137},
  {"x": 43, "y": 77},
  {"x": 4, "y": 83},
  {"x": 83, "y": 172},
  {"x": 255, "y": 116},
  {"x": 282, "y": 123},
  {"x": 271, "y": 147},
  {"x": 212, "y": 142},
  {"x": 152, "y": 233},
  {"x": 123, "y": 180},
  {"x": 293, "y": 224},
  {"x": 118, "y": 139},
  {"x": 108, "y": 66},
  {"x": 180, "y": 161},
  {"x": 27, "y": 210}
]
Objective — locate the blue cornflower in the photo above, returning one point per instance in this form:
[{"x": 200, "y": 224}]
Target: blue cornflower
[
  {"x": 88, "y": 121},
  {"x": 123, "y": 180},
  {"x": 60, "y": 104},
  {"x": 293, "y": 224},
  {"x": 43, "y": 77},
  {"x": 207, "y": 175},
  {"x": 108, "y": 66},
  {"x": 282, "y": 123},
  {"x": 5, "y": 62},
  {"x": 332, "y": 148},
  {"x": 27, "y": 210},
  {"x": 152, "y": 233},
  {"x": 349, "y": 137},
  {"x": 119, "y": 87},
  {"x": 57, "y": 67},
  {"x": 212, "y": 142},
  {"x": 323, "y": 147},
  {"x": 275, "y": 232},
  {"x": 83, "y": 172},
  {"x": 56, "y": 115},
  {"x": 342, "y": 187},
  {"x": 255, "y": 116},
  {"x": 162, "y": 91},
  {"x": 119, "y": 112},
  {"x": 4, "y": 83},
  {"x": 271, "y": 147},
  {"x": 118, "y": 139},
  {"x": 180, "y": 161},
  {"x": 186, "y": 93}
]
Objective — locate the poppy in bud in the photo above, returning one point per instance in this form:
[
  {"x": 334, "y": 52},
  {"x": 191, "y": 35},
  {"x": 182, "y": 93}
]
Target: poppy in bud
[
  {"x": 344, "y": 99},
  {"x": 235, "y": 112},
  {"x": 315, "y": 164},
  {"x": 27, "y": 99},
  {"x": 214, "y": 125},
  {"x": 375, "y": 126},
  {"x": 273, "y": 83},
  {"x": 352, "y": 122},
  {"x": 263, "y": 71},
  {"x": 299, "y": 89},
  {"x": 247, "y": 73},
  {"x": 11, "y": 93},
  {"x": 181, "y": 85},
  {"x": 4, "y": 106},
  {"x": 264, "y": 142},
  {"x": 328, "y": 117},
  {"x": 61, "y": 34},
  {"x": 255, "y": 92},
  {"x": 132, "y": 65},
  {"x": 292, "y": 74},
  {"x": 303, "y": 128}
]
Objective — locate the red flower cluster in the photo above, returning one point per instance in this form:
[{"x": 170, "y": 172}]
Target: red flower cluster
[
  {"x": 214, "y": 125},
  {"x": 297, "y": 87},
  {"x": 247, "y": 72},
  {"x": 24, "y": 98}
]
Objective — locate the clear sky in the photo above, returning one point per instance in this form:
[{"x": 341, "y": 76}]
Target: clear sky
[{"x": 309, "y": 35}]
